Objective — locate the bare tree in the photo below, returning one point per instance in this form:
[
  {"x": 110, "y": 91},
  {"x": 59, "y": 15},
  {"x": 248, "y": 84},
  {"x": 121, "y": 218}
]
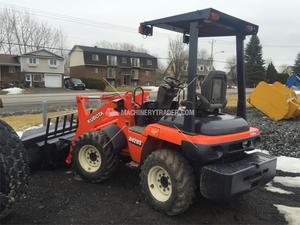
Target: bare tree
[
  {"x": 177, "y": 57},
  {"x": 121, "y": 46},
  {"x": 231, "y": 67},
  {"x": 20, "y": 33},
  {"x": 203, "y": 54}
]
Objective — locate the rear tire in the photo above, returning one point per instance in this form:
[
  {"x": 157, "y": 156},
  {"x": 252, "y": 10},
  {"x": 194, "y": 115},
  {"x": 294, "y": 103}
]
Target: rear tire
[
  {"x": 168, "y": 182},
  {"x": 94, "y": 158},
  {"x": 13, "y": 169}
]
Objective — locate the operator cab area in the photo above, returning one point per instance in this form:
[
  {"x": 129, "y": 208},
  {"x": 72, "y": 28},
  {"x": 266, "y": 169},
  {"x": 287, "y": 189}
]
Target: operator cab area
[{"x": 209, "y": 119}]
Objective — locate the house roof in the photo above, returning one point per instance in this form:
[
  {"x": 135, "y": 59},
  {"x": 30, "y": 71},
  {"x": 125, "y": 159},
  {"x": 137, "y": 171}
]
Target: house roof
[
  {"x": 114, "y": 52},
  {"x": 38, "y": 53},
  {"x": 9, "y": 60},
  {"x": 212, "y": 23}
]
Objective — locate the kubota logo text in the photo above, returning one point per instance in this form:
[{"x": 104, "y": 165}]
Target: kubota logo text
[{"x": 94, "y": 117}]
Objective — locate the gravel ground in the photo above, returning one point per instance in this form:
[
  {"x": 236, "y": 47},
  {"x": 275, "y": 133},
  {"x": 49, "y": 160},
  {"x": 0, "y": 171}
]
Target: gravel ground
[{"x": 279, "y": 138}]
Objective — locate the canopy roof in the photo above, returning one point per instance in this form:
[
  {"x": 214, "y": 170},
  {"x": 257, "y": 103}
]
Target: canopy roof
[{"x": 212, "y": 23}]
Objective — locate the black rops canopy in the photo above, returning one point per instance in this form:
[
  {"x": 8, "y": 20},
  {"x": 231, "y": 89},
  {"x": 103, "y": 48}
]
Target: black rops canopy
[
  {"x": 212, "y": 23},
  {"x": 206, "y": 23}
]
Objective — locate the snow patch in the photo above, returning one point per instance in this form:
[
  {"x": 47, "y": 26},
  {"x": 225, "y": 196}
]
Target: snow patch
[
  {"x": 20, "y": 133},
  {"x": 258, "y": 150},
  {"x": 288, "y": 164},
  {"x": 288, "y": 181},
  {"x": 291, "y": 214},
  {"x": 270, "y": 187},
  {"x": 13, "y": 91}
]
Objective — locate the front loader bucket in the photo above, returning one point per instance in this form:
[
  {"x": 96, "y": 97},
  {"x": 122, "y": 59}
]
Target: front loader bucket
[{"x": 275, "y": 100}]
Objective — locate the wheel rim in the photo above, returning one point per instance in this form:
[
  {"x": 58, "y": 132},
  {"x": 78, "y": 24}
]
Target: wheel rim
[
  {"x": 89, "y": 158},
  {"x": 159, "y": 183}
]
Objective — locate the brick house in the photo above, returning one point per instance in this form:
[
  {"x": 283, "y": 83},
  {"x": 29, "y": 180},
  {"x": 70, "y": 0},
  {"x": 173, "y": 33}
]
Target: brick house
[
  {"x": 119, "y": 68},
  {"x": 9, "y": 70}
]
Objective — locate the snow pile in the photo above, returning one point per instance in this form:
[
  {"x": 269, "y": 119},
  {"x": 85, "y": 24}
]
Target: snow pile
[
  {"x": 288, "y": 164},
  {"x": 291, "y": 214},
  {"x": 293, "y": 182},
  {"x": 270, "y": 187},
  {"x": 13, "y": 91}
]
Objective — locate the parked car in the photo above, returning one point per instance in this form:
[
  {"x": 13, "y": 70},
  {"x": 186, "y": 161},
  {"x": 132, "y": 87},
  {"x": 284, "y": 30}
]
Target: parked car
[{"x": 74, "y": 83}]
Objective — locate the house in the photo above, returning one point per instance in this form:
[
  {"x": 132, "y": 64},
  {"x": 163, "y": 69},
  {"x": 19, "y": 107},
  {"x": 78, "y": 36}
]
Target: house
[
  {"x": 9, "y": 70},
  {"x": 42, "y": 68},
  {"x": 204, "y": 66},
  {"x": 119, "y": 68}
]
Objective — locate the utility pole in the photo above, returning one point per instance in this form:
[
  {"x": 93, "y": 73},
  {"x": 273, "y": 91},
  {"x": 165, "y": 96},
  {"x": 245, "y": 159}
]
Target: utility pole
[{"x": 212, "y": 53}]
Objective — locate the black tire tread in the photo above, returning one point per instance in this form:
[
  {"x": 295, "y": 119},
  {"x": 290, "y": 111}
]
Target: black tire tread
[
  {"x": 14, "y": 169},
  {"x": 108, "y": 154},
  {"x": 184, "y": 180}
]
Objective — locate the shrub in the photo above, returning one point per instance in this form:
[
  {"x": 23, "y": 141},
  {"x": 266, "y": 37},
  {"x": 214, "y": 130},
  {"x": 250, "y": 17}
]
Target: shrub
[{"x": 94, "y": 83}]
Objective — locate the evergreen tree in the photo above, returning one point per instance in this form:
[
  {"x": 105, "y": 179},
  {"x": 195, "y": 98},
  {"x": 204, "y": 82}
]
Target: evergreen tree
[
  {"x": 254, "y": 63},
  {"x": 297, "y": 65},
  {"x": 271, "y": 74}
]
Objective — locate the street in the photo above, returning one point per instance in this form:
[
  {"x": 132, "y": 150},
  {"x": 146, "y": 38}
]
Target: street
[{"x": 32, "y": 103}]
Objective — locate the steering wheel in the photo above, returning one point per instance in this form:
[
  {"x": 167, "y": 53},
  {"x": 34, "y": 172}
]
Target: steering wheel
[{"x": 173, "y": 82}]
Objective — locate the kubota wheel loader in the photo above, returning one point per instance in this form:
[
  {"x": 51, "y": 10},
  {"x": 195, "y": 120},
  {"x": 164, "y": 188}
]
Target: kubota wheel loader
[{"x": 197, "y": 146}]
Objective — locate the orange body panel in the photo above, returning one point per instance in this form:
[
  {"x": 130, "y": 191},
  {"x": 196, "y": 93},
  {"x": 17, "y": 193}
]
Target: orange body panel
[{"x": 107, "y": 115}]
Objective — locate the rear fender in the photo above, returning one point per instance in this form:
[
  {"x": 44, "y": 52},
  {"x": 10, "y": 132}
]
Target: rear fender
[{"x": 116, "y": 137}]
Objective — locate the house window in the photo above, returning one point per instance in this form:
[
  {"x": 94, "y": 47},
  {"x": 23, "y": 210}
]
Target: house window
[
  {"x": 112, "y": 83},
  {"x": 28, "y": 77},
  {"x": 37, "y": 78},
  {"x": 95, "y": 57},
  {"x": 96, "y": 69},
  {"x": 135, "y": 74},
  {"x": 111, "y": 73},
  {"x": 11, "y": 69},
  {"x": 134, "y": 83},
  {"x": 52, "y": 62},
  {"x": 201, "y": 68},
  {"x": 185, "y": 67},
  {"x": 147, "y": 72},
  {"x": 32, "y": 60},
  {"x": 124, "y": 60},
  {"x": 111, "y": 60},
  {"x": 135, "y": 62},
  {"x": 149, "y": 62}
]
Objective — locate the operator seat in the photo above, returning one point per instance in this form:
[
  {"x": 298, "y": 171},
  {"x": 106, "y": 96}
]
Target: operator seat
[
  {"x": 164, "y": 101},
  {"x": 208, "y": 119},
  {"x": 213, "y": 92}
]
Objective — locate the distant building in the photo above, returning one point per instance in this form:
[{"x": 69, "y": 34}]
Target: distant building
[
  {"x": 204, "y": 66},
  {"x": 42, "y": 69},
  {"x": 9, "y": 70},
  {"x": 119, "y": 68}
]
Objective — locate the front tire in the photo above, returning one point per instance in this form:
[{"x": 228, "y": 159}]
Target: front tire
[
  {"x": 94, "y": 158},
  {"x": 168, "y": 182}
]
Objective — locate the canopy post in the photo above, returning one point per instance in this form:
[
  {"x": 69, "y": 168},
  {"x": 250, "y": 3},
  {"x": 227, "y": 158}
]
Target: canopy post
[
  {"x": 189, "y": 119},
  {"x": 240, "y": 69}
]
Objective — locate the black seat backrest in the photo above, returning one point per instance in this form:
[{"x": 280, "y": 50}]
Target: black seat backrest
[
  {"x": 165, "y": 96},
  {"x": 213, "y": 91}
]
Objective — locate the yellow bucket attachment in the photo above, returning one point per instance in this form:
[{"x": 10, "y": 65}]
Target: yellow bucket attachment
[{"x": 275, "y": 100}]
